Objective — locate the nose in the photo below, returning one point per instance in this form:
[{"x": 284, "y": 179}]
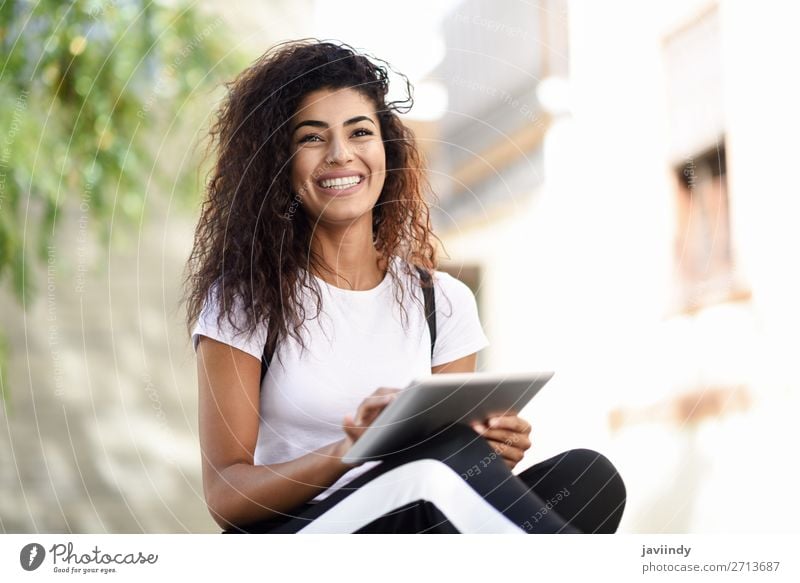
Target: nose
[{"x": 339, "y": 151}]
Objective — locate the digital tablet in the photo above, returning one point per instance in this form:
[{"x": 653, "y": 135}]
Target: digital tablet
[{"x": 436, "y": 402}]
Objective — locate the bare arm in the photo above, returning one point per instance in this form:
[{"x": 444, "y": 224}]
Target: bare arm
[
  {"x": 465, "y": 364},
  {"x": 238, "y": 492}
]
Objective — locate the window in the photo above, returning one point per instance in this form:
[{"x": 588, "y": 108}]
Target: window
[
  {"x": 705, "y": 268},
  {"x": 704, "y": 258}
]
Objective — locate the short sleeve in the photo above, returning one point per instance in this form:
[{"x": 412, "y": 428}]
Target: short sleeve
[
  {"x": 458, "y": 327},
  {"x": 206, "y": 325}
]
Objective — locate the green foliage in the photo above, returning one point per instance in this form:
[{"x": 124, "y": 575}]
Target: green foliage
[
  {"x": 87, "y": 91},
  {"x": 4, "y": 396}
]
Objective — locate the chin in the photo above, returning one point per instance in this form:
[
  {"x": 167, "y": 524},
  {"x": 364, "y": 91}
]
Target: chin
[{"x": 345, "y": 213}]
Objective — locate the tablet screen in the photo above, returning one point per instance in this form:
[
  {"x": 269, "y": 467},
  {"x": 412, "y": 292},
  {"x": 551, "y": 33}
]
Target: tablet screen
[{"x": 431, "y": 404}]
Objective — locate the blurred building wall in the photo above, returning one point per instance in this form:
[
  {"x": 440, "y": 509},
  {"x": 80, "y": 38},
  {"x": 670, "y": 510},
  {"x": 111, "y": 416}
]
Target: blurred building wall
[{"x": 580, "y": 262}]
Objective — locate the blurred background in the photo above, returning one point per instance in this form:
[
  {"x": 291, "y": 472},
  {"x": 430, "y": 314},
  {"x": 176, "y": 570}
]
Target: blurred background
[{"x": 614, "y": 181}]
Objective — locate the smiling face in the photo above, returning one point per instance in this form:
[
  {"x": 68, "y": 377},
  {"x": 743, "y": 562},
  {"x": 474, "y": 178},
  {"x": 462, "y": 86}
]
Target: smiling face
[{"x": 339, "y": 163}]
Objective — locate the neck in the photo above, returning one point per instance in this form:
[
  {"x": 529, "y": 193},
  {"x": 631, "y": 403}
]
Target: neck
[{"x": 349, "y": 258}]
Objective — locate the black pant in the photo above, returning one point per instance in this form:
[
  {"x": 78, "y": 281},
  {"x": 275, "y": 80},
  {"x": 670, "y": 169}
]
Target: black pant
[{"x": 576, "y": 491}]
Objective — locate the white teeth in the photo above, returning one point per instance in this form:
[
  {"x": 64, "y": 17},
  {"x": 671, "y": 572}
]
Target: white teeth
[{"x": 340, "y": 183}]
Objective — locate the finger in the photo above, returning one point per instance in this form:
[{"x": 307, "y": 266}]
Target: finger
[
  {"x": 350, "y": 429},
  {"x": 507, "y": 452},
  {"x": 378, "y": 402},
  {"x": 509, "y": 461},
  {"x": 380, "y": 397},
  {"x": 512, "y": 422},
  {"x": 511, "y": 438},
  {"x": 367, "y": 415},
  {"x": 370, "y": 408},
  {"x": 350, "y": 423},
  {"x": 386, "y": 391},
  {"x": 479, "y": 427}
]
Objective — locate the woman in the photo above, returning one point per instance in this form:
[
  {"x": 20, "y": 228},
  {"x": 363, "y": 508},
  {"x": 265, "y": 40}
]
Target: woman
[{"x": 310, "y": 258}]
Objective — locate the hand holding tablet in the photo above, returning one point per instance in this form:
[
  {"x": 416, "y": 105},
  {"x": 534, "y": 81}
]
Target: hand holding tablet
[
  {"x": 430, "y": 403},
  {"x": 356, "y": 424}
]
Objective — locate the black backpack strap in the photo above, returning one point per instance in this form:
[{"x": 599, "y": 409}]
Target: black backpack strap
[
  {"x": 430, "y": 316},
  {"x": 430, "y": 303},
  {"x": 266, "y": 358}
]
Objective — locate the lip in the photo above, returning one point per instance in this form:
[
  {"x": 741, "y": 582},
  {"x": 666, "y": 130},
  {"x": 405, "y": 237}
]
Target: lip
[{"x": 343, "y": 191}]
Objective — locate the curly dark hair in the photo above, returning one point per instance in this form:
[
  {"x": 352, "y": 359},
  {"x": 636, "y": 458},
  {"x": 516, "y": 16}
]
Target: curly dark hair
[{"x": 247, "y": 247}]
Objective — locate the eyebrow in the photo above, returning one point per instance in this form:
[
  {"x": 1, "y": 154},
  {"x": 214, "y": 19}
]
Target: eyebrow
[{"x": 322, "y": 124}]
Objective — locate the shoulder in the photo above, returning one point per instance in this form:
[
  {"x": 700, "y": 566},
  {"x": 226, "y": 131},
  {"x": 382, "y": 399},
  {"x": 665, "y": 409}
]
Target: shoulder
[
  {"x": 442, "y": 279},
  {"x": 447, "y": 288},
  {"x": 228, "y": 324},
  {"x": 459, "y": 329},
  {"x": 452, "y": 289},
  {"x": 449, "y": 283}
]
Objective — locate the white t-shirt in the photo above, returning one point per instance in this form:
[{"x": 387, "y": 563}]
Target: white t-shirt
[{"x": 357, "y": 345}]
